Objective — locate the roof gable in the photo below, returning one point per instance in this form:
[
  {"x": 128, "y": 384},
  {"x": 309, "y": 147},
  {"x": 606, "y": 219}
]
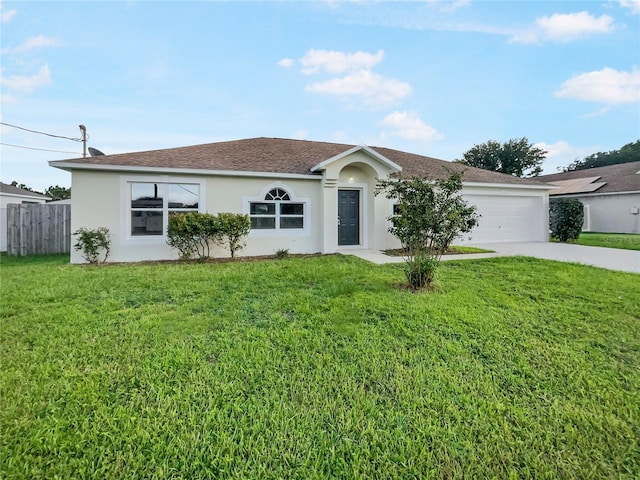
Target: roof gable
[{"x": 359, "y": 148}]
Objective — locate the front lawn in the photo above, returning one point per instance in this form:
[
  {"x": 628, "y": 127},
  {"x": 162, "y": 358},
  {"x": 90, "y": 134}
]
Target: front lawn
[
  {"x": 610, "y": 240},
  {"x": 320, "y": 368}
]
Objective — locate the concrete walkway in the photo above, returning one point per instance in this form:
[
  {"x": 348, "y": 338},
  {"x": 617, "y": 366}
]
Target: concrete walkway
[{"x": 609, "y": 258}]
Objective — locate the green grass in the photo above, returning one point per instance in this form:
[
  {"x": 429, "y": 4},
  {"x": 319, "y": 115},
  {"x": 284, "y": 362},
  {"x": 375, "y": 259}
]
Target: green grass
[
  {"x": 610, "y": 240},
  {"x": 318, "y": 368}
]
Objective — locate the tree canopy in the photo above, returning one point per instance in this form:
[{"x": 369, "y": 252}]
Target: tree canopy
[
  {"x": 516, "y": 157},
  {"x": 628, "y": 153},
  {"x": 55, "y": 192}
]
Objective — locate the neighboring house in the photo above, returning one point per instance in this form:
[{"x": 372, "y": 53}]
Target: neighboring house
[
  {"x": 10, "y": 194},
  {"x": 302, "y": 196},
  {"x": 610, "y": 195}
]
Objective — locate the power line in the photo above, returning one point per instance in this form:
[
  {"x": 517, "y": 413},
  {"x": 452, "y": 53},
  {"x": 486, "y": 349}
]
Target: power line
[
  {"x": 41, "y": 133},
  {"x": 42, "y": 149}
]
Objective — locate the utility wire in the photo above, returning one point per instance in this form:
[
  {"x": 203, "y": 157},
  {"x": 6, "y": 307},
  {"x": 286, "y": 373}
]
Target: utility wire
[
  {"x": 41, "y": 133},
  {"x": 42, "y": 149}
]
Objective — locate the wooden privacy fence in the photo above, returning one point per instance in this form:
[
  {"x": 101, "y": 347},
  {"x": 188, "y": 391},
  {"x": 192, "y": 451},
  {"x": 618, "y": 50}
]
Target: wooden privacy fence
[{"x": 36, "y": 229}]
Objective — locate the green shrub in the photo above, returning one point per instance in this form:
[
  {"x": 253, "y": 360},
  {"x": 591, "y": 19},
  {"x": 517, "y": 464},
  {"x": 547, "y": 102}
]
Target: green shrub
[
  {"x": 566, "y": 216},
  {"x": 192, "y": 233},
  {"x": 282, "y": 253},
  {"x": 92, "y": 242},
  {"x": 232, "y": 230}
]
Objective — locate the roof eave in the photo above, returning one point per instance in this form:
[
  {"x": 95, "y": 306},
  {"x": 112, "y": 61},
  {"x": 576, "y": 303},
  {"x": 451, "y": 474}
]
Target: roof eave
[{"x": 191, "y": 171}]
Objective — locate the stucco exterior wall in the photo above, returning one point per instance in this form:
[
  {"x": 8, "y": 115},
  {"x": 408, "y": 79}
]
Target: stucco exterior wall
[
  {"x": 611, "y": 213},
  {"x": 102, "y": 199}
]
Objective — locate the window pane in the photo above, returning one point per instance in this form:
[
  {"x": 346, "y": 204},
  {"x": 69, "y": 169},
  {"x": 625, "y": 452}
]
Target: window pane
[
  {"x": 277, "y": 194},
  {"x": 263, "y": 223},
  {"x": 183, "y": 195},
  {"x": 262, "y": 209},
  {"x": 291, "y": 222},
  {"x": 291, "y": 208},
  {"x": 146, "y": 195},
  {"x": 146, "y": 223}
]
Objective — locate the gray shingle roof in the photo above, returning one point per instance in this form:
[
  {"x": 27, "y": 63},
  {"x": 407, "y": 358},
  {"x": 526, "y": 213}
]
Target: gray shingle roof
[
  {"x": 11, "y": 190},
  {"x": 623, "y": 177},
  {"x": 277, "y": 155}
]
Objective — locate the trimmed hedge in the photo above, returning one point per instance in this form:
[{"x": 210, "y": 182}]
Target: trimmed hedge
[{"x": 566, "y": 216}]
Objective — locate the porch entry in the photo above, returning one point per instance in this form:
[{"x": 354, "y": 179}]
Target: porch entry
[{"x": 348, "y": 217}]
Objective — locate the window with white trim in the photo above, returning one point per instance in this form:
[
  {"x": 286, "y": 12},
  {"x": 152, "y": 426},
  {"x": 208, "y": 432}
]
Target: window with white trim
[
  {"x": 152, "y": 203},
  {"x": 276, "y": 212}
]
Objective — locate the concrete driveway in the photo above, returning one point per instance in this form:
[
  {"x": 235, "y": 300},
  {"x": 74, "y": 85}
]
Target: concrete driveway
[{"x": 609, "y": 258}]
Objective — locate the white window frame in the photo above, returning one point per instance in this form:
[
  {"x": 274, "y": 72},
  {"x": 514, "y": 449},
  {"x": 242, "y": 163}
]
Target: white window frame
[
  {"x": 125, "y": 206},
  {"x": 277, "y": 231}
]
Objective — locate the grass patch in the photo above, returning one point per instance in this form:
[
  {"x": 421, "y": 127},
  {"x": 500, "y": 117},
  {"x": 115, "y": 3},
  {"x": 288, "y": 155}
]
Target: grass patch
[
  {"x": 610, "y": 240},
  {"x": 318, "y": 368},
  {"x": 452, "y": 250}
]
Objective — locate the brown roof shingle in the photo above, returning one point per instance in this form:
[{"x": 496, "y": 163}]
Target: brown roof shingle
[
  {"x": 277, "y": 155},
  {"x": 623, "y": 177}
]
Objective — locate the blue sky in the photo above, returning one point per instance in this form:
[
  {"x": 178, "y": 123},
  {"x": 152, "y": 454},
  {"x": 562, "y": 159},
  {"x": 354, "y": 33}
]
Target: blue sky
[{"x": 428, "y": 77}]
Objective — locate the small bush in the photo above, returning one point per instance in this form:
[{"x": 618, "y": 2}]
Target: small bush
[
  {"x": 93, "y": 242},
  {"x": 232, "y": 230},
  {"x": 192, "y": 234},
  {"x": 282, "y": 253},
  {"x": 566, "y": 217}
]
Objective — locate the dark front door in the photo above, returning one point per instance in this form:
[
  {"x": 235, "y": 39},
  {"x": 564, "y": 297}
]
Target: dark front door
[{"x": 348, "y": 217}]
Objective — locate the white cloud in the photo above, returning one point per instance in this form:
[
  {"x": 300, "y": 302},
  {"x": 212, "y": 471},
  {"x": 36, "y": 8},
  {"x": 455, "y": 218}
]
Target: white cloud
[
  {"x": 8, "y": 15},
  {"x": 449, "y": 6},
  {"x": 300, "y": 135},
  {"x": 408, "y": 125},
  {"x": 633, "y": 5},
  {"x": 36, "y": 42},
  {"x": 561, "y": 154},
  {"x": 26, "y": 84},
  {"x": 337, "y": 62},
  {"x": 564, "y": 28},
  {"x": 604, "y": 86},
  {"x": 375, "y": 90},
  {"x": 286, "y": 62},
  {"x": 8, "y": 99}
]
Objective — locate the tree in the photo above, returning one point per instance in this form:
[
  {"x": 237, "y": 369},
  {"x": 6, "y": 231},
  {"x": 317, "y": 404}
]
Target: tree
[
  {"x": 516, "y": 157},
  {"x": 58, "y": 193},
  {"x": 23, "y": 187},
  {"x": 54, "y": 192},
  {"x": 628, "y": 153},
  {"x": 429, "y": 215}
]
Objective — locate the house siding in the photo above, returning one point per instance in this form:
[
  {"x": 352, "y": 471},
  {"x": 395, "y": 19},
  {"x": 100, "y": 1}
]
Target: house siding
[
  {"x": 101, "y": 199},
  {"x": 611, "y": 213}
]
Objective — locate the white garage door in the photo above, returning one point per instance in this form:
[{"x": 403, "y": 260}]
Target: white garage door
[{"x": 507, "y": 219}]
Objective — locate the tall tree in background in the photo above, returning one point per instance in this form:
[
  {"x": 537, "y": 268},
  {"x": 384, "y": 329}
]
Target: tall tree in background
[
  {"x": 54, "y": 192},
  {"x": 628, "y": 153},
  {"x": 58, "y": 193},
  {"x": 516, "y": 157}
]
